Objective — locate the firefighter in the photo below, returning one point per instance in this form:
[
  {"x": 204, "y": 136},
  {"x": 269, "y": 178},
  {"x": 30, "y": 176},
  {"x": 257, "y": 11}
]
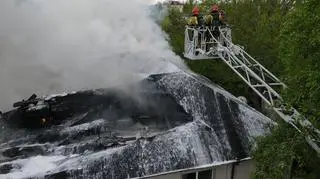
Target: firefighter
[
  {"x": 196, "y": 21},
  {"x": 213, "y": 20},
  {"x": 216, "y": 17}
]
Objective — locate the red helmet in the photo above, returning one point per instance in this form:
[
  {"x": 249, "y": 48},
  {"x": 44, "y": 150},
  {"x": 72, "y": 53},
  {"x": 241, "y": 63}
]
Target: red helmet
[
  {"x": 195, "y": 11},
  {"x": 215, "y": 8}
]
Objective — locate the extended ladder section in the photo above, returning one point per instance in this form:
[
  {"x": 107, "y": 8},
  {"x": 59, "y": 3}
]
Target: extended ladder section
[{"x": 216, "y": 43}]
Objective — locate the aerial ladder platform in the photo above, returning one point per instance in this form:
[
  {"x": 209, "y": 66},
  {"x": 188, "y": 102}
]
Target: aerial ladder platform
[{"x": 216, "y": 43}]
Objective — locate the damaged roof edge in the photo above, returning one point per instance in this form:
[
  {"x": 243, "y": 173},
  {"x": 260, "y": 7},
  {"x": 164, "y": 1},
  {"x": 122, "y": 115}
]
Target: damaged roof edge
[{"x": 193, "y": 169}]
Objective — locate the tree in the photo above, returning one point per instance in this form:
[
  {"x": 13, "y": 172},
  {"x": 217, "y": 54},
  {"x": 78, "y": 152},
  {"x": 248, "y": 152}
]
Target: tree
[
  {"x": 300, "y": 41},
  {"x": 286, "y": 151}
]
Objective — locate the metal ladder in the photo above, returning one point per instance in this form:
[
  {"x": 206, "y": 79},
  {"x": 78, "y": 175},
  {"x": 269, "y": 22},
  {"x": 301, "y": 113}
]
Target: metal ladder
[{"x": 264, "y": 84}]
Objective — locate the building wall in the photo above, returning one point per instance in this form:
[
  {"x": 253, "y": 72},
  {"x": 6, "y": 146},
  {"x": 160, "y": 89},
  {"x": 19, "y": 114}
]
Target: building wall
[
  {"x": 244, "y": 170},
  {"x": 241, "y": 171},
  {"x": 169, "y": 176}
]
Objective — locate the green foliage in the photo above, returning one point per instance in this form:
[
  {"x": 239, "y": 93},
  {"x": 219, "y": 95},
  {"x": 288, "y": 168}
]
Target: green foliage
[
  {"x": 174, "y": 25},
  {"x": 283, "y": 152},
  {"x": 300, "y": 41},
  {"x": 187, "y": 8},
  {"x": 299, "y": 46},
  {"x": 255, "y": 24}
]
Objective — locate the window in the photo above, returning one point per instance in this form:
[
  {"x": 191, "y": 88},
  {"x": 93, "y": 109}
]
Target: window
[
  {"x": 205, "y": 174},
  {"x": 189, "y": 176}
]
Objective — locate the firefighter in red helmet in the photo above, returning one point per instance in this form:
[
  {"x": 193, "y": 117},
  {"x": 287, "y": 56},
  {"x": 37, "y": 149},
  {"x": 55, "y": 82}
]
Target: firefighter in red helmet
[
  {"x": 194, "y": 19},
  {"x": 195, "y": 11},
  {"x": 215, "y": 8},
  {"x": 215, "y": 15},
  {"x": 216, "y": 19}
]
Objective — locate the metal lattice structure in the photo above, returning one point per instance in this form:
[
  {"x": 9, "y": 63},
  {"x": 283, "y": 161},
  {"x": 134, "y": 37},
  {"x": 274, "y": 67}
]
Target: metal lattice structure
[{"x": 216, "y": 43}]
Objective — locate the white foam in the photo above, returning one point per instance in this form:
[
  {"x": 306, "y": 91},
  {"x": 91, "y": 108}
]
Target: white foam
[
  {"x": 81, "y": 161},
  {"x": 254, "y": 123},
  {"x": 59, "y": 95},
  {"x": 84, "y": 126},
  {"x": 32, "y": 167},
  {"x": 38, "y": 106}
]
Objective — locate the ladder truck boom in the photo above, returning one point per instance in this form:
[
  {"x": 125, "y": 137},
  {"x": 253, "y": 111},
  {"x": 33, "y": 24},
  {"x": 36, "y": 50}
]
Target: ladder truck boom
[{"x": 200, "y": 43}]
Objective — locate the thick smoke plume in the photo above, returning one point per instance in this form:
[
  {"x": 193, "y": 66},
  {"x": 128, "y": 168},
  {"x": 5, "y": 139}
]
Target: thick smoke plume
[{"x": 49, "y": 46}]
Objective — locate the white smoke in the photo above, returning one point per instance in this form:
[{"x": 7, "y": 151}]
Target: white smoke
[{"x": 49, "y": 46}]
